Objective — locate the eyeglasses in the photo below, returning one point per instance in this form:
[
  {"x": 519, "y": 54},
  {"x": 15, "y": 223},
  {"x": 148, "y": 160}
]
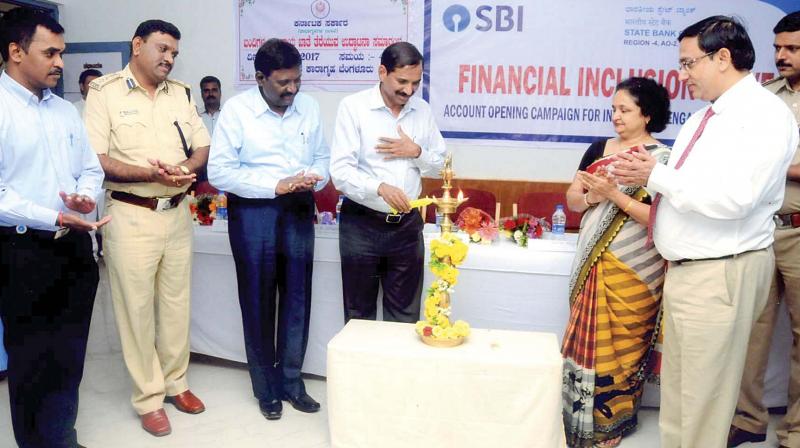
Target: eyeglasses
[{"x": 687, "y": 64}]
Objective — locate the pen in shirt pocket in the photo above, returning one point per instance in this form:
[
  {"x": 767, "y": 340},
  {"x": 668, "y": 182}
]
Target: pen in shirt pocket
[{"x": 303, "y": 135}]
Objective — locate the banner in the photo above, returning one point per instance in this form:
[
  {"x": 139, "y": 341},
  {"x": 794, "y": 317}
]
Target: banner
[
  {"x": 541, "y": 72},
  {"x": 340, "y": 41}
]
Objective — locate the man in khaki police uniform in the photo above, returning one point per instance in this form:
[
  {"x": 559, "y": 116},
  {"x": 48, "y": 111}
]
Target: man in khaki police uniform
[
  {"x": 144, "y": 127},
  {"x": 752, "y": 418}
]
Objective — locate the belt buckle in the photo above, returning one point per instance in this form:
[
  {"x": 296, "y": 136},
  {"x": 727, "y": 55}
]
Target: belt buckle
[
  {"x": 163, "y": 204},
  {"x": 780, "y": 223},
  {"x": 393, "y": 218}
]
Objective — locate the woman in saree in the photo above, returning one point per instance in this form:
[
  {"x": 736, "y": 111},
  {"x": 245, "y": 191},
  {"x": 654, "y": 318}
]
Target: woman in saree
[{"x": 617, "y": 277}]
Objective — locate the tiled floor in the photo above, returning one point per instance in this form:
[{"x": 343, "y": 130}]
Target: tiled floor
[{"x": 232, "y": 419}]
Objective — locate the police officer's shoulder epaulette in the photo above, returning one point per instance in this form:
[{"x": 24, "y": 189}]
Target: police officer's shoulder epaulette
[
  {"x": 182, "y": 85},
  {"x": 99, "y": 83}
]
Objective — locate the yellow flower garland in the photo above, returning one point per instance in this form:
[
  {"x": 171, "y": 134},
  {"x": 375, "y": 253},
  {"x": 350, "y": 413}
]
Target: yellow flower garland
[{"x": 447, "y": 252}]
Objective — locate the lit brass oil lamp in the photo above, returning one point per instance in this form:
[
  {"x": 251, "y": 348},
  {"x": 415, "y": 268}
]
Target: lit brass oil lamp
[{"x": 447, "y": 204}]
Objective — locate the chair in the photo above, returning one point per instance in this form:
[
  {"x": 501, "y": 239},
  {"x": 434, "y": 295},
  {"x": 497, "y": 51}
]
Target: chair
[
  {"x": 542, "y": 204},
  {"x": 480, "y": 199},
  {"x": 327, "y": 198}
]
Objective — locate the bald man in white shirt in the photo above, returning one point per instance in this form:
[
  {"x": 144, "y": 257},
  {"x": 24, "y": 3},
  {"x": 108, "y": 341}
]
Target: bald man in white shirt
[{"x": 712, "y": 219}]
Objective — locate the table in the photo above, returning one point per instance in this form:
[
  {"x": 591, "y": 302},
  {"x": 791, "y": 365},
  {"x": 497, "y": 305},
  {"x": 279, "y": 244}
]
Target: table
[
  {"x": 387, "y": 389},
  {"x": 501, "y": 286}
]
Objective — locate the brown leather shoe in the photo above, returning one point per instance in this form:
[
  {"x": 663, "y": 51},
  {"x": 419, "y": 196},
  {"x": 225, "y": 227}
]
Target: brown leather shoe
[
  {"x": 156, "y": 423},
  {"x": 738, "y": 436},
  {"x": 187, "y": 402}
]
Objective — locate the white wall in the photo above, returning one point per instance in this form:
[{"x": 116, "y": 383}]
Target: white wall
[{"x": 208, "y": 47}]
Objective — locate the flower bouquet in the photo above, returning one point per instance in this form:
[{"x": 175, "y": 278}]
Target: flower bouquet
[
  {"x": 447, "y": 252},
  {"x": 522, "y": 227},
  {"x": 480, "y": 227},
  {"x": 205, "y": 209}
]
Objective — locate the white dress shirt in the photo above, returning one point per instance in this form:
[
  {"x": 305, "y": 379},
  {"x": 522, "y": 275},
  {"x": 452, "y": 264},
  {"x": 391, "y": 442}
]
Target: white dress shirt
[
  {"x": 209, "y": 120},
  {"x": 357, "y": 169},
  {"x": 44, "y": 149},
  {"x": 253, "y": 147},
  {"x": 721, "y": 201}
]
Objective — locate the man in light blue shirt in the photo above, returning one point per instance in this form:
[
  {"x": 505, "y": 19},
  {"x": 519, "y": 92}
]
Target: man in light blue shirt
[
  {"x": 269, "y": 154},
  {"x": 49, "y": 176}
]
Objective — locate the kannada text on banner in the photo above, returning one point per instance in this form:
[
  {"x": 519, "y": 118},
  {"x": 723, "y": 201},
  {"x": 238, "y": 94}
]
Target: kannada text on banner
[{"x": 340, "y": 41}]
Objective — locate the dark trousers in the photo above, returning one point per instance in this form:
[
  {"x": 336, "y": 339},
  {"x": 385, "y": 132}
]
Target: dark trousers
[
  {"x": 376, "y": 253},
  {"x": 47, "y": 290},
  {"x": 272, "y": 241}
]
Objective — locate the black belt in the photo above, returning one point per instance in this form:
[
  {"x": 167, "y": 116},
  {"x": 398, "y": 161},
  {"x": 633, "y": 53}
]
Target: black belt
[
  {"x": 156, "y": 204},
  {"x": 724, "y": 257},
  {"x": 22, "y": 230},
  {"x": 391, "y": 218}
]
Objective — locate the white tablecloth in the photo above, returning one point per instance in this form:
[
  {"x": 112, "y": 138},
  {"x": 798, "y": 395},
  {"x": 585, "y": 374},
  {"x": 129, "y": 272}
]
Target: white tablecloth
[
  {"x": 387, "y": 389},
  {"x": 501, "y": 286}
]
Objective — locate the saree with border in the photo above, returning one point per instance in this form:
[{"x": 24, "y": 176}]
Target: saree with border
[{"x": 609, "y": 346}]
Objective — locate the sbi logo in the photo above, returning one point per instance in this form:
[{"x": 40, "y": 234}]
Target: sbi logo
[{"x": 457, "y": 18}]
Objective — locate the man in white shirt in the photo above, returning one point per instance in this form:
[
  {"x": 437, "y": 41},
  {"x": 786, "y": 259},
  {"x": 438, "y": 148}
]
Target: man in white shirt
[
  {"x": 84, "y": 79},
  {"x": 712, "y": 219},
  {"x": 211, "y": 92},
  {"x": 384, "y": 141},
  {"x": 269, "y": 154}
]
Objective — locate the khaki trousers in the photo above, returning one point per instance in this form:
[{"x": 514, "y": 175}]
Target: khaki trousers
[
  {"x": 710, "y": 307},
  {"x": 751, "y": 414},
  {"x": 148, "y": 255}
]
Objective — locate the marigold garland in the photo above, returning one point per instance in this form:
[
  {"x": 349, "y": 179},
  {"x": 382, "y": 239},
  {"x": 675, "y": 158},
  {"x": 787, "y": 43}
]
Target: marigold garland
[{"x": 447, "y": 252}]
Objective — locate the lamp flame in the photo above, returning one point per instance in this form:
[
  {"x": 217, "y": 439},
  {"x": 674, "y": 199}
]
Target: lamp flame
[{"x": 460, "y": 195}]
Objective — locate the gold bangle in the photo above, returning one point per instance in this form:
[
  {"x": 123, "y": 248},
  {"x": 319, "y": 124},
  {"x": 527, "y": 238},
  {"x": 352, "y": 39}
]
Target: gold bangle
[
  {"x": 586, "y": 200},
  {"x": 628, "y": 205}
]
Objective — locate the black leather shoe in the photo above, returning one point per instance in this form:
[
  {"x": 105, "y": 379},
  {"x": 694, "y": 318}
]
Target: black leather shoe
[
  {"x": 271, "y": 409},
  {"x": 302, "y": 402},
  {"x": 738, "y": 436}
]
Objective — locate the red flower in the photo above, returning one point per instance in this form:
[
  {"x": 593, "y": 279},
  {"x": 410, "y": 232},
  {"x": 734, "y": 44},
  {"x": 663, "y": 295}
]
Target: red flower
[
  {"x": 539, "y": 231},
  {"x": 427, "y": 331},
  {"x": 522, "y": 221},
  {"x": 509, "y": 224}
]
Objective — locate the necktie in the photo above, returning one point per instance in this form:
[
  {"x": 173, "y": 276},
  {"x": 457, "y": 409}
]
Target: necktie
[{"x": 651, "y": 221}]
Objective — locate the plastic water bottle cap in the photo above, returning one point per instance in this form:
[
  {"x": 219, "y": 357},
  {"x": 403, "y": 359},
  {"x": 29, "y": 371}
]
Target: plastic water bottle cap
[{"x": 560, "y": 207}]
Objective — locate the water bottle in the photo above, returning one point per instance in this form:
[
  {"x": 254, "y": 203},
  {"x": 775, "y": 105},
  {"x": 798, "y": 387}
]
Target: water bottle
[
  {"x": 559, "y": 222},
  {"x": 339, "y": 207},
  {"x": 221, "y": 202}
]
